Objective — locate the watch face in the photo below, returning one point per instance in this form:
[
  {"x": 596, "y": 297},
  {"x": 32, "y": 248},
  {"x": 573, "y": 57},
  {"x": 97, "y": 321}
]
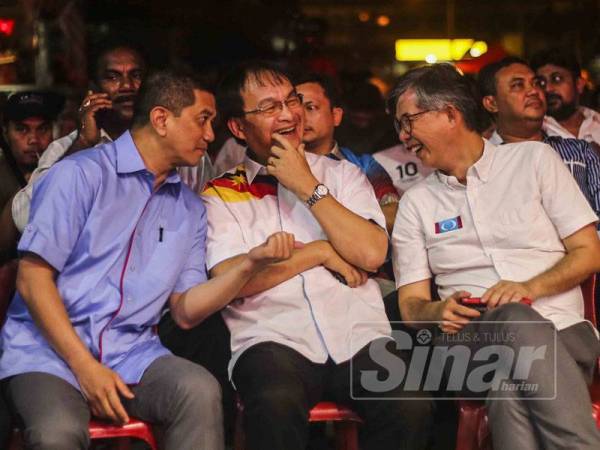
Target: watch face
[{"x": 322, "y": 190}]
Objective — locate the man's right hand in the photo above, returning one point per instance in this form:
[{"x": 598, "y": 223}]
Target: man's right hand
[
  {"x": 101, "y": 387},
  {"x": 333, "y": 261},
  {"x": 454, "y": 317},
  {"x": 89, "y": 131}
]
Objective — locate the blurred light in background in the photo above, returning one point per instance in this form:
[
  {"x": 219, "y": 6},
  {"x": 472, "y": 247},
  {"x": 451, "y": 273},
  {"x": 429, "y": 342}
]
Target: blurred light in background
[
  {"x": 364, "y": 16},
  {"x": 7, "y": 26},
  {"x": 383, "y": 21},
  {"x": 433, "y": 50}
]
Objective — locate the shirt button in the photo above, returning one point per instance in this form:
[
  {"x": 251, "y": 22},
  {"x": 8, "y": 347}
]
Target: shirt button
[{"x": 133, "y": 268}]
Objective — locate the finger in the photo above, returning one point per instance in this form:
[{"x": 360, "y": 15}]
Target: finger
[
  {"x": 298, "y": 244},
  {"x": 277, "y": 152},
  {"x": 106, "y": 410},
  {"x": 351, "y": 277},
  {"x": 124, "y": 389},
  {"x": 117, "y": 407},
  {"x": 98, "y": 105},
  {"x": 282, "y": 141},
  {"x": 458, "y": 295},
  {"x": 364, "y": 277},
  {"x": 465, "y": 311}
]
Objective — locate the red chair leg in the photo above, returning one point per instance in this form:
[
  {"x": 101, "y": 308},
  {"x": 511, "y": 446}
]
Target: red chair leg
[{"x": 346, "y": 435}]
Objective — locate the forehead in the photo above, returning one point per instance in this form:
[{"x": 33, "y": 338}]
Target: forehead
[
  {"x": 31, "y": 122},
  {"x": 264, "y": 86},
  {"x": 203, "y": 102},
  {"x": 119, "y": 57},
  {"x": 548, "y": 69},
  {"x": 312, "y": 91},
  {"x": 407, "y": 103},
  {"x": 516, "y": 70}
]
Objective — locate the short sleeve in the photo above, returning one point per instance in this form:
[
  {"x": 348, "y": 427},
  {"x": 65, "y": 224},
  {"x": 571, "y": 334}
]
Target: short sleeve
[
  {"x": 562, "y": 199},
  {"x": 60, "y": 205},
  {"x": 593, "y": 176},
  {"x": 194, "y": 270},
  {"x": 409, "y": 252},
  {"x": 224, "y": 238},
  {"x": 381, "y": 181},
  {"x": 358, "y": 196}
]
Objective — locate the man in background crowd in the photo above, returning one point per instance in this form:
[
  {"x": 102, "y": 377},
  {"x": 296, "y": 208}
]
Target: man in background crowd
[
  {"x": 27, "y": 131},
  {"x": 512, "y": 93},
  {"x": 323, "y": 113},
  {"x": 560, "y": 78}
]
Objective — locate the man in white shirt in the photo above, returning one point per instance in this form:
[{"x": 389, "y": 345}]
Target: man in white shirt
[
  {"x": 504, "y": 224},
  {"x": 301, "y": 331},
  {"x": 560, "y": 77},
  {"x": 403, "y": 167}
]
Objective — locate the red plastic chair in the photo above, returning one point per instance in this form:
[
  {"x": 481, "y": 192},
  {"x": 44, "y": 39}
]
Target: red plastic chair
[
  {"x": 98, "y": 430},
  {"x": 344, "y": 419},
  {"x": 473, "y": 430},
  {"x": 133, "y": 429}
]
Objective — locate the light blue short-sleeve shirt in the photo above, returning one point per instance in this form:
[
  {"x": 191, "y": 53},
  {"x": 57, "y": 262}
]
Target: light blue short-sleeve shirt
[{"x": 120, "y": 250}]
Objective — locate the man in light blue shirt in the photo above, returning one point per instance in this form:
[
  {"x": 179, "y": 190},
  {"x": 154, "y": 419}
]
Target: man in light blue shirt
[{"x": 113, "y": 236}]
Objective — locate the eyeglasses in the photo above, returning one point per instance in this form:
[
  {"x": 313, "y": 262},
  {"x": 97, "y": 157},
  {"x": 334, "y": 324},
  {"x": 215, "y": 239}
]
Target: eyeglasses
[
  {"x": 271, "y": 108},
  {"x": 404, "y": 123}
]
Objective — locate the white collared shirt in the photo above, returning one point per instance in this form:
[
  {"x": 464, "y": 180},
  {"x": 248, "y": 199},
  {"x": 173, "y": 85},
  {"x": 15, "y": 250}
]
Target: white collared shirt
[
  {"x": 312, "y": 312},
  {"x": 506, "y": 223},
  {"x": 195, "y": 177},
  {"x": 588, "y": 131}
]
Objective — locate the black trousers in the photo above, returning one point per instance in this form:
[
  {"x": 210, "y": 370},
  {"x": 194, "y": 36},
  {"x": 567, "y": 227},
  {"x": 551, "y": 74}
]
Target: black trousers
[{"x": 279, "y": 386}]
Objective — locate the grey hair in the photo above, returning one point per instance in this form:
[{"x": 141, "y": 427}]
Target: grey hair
[{"x": 437, "y": 86}]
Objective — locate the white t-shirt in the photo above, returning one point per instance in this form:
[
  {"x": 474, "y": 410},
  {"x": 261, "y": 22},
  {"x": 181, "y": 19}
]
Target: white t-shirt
[
  {"x": 588, "y": 131},
  {"x": 506, "y": 223},
  {"x": 404, "y": 168}
]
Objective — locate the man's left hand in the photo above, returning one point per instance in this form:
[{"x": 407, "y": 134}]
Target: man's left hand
[
  {"x": 278, "y": 247},
  {"x": 506, "y": 292},
  {"x": 289, "y": 166}
]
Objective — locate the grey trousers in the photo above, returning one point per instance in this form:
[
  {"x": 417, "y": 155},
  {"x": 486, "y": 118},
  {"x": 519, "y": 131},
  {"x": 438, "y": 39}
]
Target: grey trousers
[
  {"x": 524, "y": 420},
  {"x": 181, "y": 397}
]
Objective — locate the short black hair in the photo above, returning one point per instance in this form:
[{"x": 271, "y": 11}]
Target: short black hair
[
  {"x": 172, "y": 89},
  {"x": 329, "y": 85},
  {"x": 487, "y": 75},
  {"x": 558, "y": 58},
  {"x": 99, "y": 52},
  {"x": 229, "y": 92},
  {"x": 436, "y": 86}
]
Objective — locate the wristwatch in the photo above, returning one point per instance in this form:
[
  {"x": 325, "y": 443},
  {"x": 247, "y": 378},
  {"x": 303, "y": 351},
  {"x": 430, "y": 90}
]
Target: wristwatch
[{"x": 320, "y": 192}]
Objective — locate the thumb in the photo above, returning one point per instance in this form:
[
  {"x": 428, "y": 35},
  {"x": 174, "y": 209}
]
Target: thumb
[{"x": 298, "y": 244}]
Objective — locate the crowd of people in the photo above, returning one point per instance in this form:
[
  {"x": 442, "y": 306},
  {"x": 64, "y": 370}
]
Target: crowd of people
[{"x": 155, "y": 276}]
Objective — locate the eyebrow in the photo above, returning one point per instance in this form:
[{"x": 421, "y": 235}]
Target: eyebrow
[{"x": 272, "y": 99}]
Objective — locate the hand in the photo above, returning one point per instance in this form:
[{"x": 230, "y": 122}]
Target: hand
[
  {"x": 333, "y": 261},
  {"x": 454, "y": 316},
  {"x": 101, "y": 387},
  {"x": 278, "y": 247},
  {"x": 506, "y": 292},
  {"x": 289, "y": 166},
  {"x": 89, "y": 132}
]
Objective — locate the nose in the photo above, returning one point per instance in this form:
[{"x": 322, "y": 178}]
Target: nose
[
  {"x": 33, "y": 138},
  {"x": 403, "y": 136},
  {"x": 285, "y": 113},
  {"x": 209, "y": 133}
]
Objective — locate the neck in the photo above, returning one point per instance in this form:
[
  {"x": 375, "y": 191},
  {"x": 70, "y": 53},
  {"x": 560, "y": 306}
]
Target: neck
[
  {"x": 115, "y": 126},
  {"x": 152, "y": 153},
  {"x": 573, "y": 122},
  {"x": 522, "y": 130},
  {"x": 471, "y": 148},
  {"x": 321, "y": 148}
]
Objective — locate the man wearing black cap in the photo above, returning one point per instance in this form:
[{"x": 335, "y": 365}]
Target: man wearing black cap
[{"x": 27, "y": 132}]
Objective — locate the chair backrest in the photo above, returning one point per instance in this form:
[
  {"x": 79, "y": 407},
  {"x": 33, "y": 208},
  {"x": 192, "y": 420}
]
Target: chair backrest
[
  {"x": 588, "y": 288},
  {"x": 8, "y": 280}
]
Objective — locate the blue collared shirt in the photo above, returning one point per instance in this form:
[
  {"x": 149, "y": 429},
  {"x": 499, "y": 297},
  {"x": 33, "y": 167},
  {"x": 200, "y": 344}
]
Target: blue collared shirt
[{"x": 119, "y": 249}]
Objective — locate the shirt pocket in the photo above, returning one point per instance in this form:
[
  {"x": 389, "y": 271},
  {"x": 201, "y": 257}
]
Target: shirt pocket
[{"x": 521, "y": 226}]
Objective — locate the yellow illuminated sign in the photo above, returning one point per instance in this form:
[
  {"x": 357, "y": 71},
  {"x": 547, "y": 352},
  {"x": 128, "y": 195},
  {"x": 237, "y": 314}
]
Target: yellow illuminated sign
[{"x": 432, "y": 50}]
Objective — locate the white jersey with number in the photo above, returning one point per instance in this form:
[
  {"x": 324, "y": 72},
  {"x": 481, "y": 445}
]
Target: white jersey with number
[{"x": 404, "y": 168}]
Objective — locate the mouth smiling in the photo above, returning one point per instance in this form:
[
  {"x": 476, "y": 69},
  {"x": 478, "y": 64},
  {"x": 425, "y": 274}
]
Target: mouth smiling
[
  {"x": 286, "y": 131},
  {"x": 414, "y": 148}
]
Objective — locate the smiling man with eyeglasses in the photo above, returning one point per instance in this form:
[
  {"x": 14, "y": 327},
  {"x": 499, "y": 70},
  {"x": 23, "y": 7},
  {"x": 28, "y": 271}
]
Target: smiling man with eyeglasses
[
  {"x": 501, "y": 223},
  {"x": 301, "y": 331}
]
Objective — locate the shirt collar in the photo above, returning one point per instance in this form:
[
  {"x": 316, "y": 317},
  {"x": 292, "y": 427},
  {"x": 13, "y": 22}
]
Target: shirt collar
[
  {"x": 129, "y": 159},
  {"x": 253, "y": 168},
  {"x": 481, "y": 168}
]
